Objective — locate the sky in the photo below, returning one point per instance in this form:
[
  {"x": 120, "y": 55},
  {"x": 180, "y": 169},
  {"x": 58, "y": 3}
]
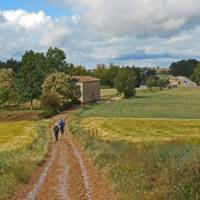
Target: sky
[{"x": 126, "y": 32}]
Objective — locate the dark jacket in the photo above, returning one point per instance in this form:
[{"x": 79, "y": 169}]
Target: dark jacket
[{"x": 56, "y": 129}]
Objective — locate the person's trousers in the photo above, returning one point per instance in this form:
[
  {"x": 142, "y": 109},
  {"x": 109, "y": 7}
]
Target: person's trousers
[
  {"x": 56, "y": 136},
  {"x": 62, "y": 130}
]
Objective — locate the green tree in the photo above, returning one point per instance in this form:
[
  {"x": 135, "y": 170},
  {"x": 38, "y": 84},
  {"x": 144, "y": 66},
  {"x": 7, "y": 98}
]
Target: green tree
[
  {"x": 183, "y": 67},
  {"x": 30, "y": 76},
  {"x": 162, "y": 83},
  {"x": 196, "y": 75},
  {"x": 125, "y": 82},
  {"x": 73, "y": 70},
  {"x": 106, "y": 74},
  {"x": 63, "y": 86},
  {"x": 153, "y": 81},
  {"x": 6, "y": 85},
  {"x": 56, "y": 60}
]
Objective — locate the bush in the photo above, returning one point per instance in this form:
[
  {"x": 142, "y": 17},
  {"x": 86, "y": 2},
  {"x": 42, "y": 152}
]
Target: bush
[
  {"x": 50, "y": 101},
  {"x": 128, "y": 93}
]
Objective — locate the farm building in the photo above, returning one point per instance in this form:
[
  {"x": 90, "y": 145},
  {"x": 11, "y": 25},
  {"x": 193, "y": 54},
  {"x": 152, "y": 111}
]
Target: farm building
[
  {"x": 90, "y": 88},
  {"x": 174, "y": 82}
]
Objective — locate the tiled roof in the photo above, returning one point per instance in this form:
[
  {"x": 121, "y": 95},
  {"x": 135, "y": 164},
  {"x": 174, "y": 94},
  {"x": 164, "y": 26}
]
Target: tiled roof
[{"x": 86, "y": 79}]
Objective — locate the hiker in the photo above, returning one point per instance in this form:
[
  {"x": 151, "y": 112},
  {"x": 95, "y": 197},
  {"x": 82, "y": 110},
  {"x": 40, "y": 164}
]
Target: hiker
[
  {"x": 56, "y": 131},
  {"x": 62, "y": 126}
]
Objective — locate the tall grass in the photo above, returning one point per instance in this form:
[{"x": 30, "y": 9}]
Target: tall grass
[
  {"x": 156, "y": 171},
  {"x": 17, "y": 165}
]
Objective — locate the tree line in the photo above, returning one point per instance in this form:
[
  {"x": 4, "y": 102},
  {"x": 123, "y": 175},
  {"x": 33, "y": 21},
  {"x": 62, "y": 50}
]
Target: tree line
[
  {"x": 189, "y": 68},
  {"x": 49, "y": 77}
]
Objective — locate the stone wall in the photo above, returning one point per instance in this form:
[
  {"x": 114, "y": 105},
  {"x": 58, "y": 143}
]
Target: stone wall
[{"x": 90, "y": 91}]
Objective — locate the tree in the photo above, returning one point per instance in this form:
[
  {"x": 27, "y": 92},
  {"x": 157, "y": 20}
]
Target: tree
[
  {"x": 125, "y": 82},
  {"x": 6, "y": 86},
  {"x": 162, "y": 83},
  {"x": 73, "y": 70},
  {"x": 183, "y": 68},
  {"x": 63, "y": 86},
  {"x": 145, "y": 74},
  {"x": 56, "y": 60},
  {"x": 196, "y": 75},
  {"x": 152, "y": 82},
  {"x": 30, "y": 77},
  {"x": 10, "y": 64},
  {"x": 13, "y": 64},
  {"x": 101, "y": 72},
  {"x": 138, "y": 79},
  {"x": 106, "y": 74}
]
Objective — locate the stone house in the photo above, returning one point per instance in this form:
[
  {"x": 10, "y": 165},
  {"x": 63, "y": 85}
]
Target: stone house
[
  {"x": 174, "y": 82},
  {"x": 90, "y": 88}
]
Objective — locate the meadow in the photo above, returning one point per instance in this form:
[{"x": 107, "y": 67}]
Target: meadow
[
  {"x": 23, "y": 146},
  {"x": 148, "y": 147},
  {"x": 142, "y": 130},
  {"x": 177, "y": 103},
  {"x": 16, "y": 134}
]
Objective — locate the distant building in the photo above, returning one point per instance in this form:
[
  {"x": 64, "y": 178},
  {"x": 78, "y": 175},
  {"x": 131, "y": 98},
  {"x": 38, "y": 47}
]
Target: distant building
[
  {"x": 90, "y": 88},
  {"x": 174, "y": 82}
]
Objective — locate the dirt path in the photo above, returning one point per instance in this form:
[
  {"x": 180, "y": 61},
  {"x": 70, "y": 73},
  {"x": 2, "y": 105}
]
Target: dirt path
[{"x": 67, "y": 174}]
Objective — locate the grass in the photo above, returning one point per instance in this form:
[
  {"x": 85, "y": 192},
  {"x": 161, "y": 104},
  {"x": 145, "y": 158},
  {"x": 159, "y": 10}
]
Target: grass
[
  {"x": 108, "y": 93},
  {"x": 111, "y": 93},
  {"x": 155, "y": 170},
  {"x": 147, "y": 147},
  {"x": 142, "y": 130},
  {"x": 178, "y": 103},
  {"x": 23, "y": 146},
  {"x": 16, "y": 134}
]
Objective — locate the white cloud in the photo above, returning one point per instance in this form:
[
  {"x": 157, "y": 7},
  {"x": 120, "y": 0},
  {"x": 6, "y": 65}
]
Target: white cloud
[
  {"x": 101, "y": 31},
  {"x": 21, "y": 30},
  {"x": 138, "y": 17}
]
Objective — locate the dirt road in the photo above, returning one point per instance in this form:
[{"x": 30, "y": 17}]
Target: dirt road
[{"x": 67, "y": 174}]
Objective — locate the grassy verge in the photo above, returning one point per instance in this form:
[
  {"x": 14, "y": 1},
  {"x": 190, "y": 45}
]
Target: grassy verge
[
  {"x": 17, "y": 164},
  {"x": 144, "y": 171}
]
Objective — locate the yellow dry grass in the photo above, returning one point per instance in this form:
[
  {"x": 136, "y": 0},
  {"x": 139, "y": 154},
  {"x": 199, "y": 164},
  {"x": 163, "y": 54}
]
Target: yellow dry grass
[
  {"x": 16, "y": 134},
  {"x": 142, "y": 130}
]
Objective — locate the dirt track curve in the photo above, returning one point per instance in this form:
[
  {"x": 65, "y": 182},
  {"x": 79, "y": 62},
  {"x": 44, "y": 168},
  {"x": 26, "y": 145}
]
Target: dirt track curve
[{"x": 67, "y": 174}]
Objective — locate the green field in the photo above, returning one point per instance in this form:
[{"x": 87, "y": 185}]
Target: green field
[
  {"x": 108, "y": 93},
  {"x": 23, "y": 146},
  {"x": 147, "y": 147},
  {"x": 179, "y": 103}
]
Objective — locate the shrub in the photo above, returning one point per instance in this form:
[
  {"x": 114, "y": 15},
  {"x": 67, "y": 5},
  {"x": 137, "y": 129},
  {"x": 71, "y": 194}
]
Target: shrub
[{"x": 50, "y": 101}]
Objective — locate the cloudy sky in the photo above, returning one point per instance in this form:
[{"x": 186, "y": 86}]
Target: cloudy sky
[{"x": 139, "y": 32}]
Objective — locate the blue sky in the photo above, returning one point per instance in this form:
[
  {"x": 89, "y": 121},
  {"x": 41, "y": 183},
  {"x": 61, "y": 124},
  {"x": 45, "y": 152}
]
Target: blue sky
[
  {"x": 141, "y": 33},
  {"x": 35, "y": 6}
]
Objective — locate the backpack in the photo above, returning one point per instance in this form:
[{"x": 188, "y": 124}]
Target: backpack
[{"x": 56, "y": 129}]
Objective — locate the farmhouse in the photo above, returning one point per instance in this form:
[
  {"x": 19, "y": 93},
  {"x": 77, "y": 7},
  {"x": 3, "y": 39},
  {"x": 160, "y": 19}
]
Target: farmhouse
[
  {"x": 90, "y": 88},
  {"x": 174, "y": 82}
]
